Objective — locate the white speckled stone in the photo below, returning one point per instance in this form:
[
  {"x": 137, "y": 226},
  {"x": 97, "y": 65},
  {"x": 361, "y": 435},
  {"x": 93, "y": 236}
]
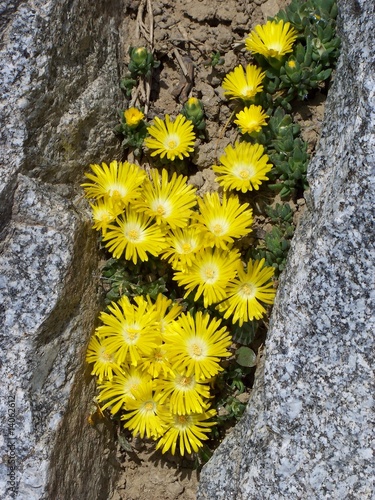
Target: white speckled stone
[
  {"x": 48, "y": 306},
  {"x": 59, "y": 89},
  {"x": 308, "y": 430},
  {"x": 58, "y": 104}
]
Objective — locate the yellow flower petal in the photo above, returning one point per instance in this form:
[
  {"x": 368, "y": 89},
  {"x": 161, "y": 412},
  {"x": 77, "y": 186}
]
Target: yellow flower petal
[
  {"x": 220, "y": 221},
  {"x": 171, "y": 139},
  {"x": 209, "y": 274},
  {"x": 134, "y": 235},
  {"x": 133, "y": 116},
  {"x": 120, "y": 182},
  {"x": 243, "y": 167},
  {"x": 274, "y": 39},
  {"x": 186, "y": 431},
  {"x": 196, "y": 344},
  {"x": 247, "y": 292},
  {"x": 251, "y": 119},
  {"x": 167, "y": 201},
  {"x": 243, "y": 85}
]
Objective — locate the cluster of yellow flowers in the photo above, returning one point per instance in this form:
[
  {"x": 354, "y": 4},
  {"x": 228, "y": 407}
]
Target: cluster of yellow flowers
[
  {"x": 153, "y": 360},
  {"x": 157, "y": 363},
  {"x": 139, "y": 216},
  {"x": 244, "y": 166}
]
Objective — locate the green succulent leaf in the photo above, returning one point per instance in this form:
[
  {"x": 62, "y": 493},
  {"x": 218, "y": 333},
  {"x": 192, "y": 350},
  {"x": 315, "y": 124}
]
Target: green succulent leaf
[{"x": 246, "y": 357}]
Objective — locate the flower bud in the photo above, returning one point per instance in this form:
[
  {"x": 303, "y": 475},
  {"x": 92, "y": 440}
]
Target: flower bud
[
  {"x": 133, "y": 117},
  {"x": 139, "y": 56},
  {"x": 193, "y": 111}
]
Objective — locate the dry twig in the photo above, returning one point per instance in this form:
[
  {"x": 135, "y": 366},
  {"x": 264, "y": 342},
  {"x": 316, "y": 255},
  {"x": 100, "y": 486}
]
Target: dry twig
[{"x": 144, "y": 86}]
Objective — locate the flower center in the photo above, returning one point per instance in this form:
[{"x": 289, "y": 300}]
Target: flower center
[
  {"x": 116, "y": 193},
  {"x": 197, "y": 350},
  {"x": 131, "y": 385},
  {"x": 210, "y": 274},
  {"x": 244, "y": 171},
  {"x": 149, "y": 406},
  {"x": 105, "y": 357},
  {"x": 161, "y": 207},
  {"x": 172, "y": 142},
  {"x": 249, "y": 92},
  {"x": 184, "y": 383},
  {"x": 131, "y": 334},
  {"x": 218, "y": 229},
  {"x": 105, "y": 216},
  {"x": 158, "y": 355},
  {"x": 182, "y": 421},
  {"x": 186, "y": 247},
  {"x": 219, "y": 226},
  {"x": 248, "y": 290},
  {"x": 133, "y": 235},
  {"x": 275, "y": 49}
]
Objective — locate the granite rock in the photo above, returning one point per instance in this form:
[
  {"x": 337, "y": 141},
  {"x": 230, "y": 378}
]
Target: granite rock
[
  {"x": 59, "y": 89},
  {"x": 308, "y": 429},
  {"x": 49, "y": 304},
  {"x": 58, "y": 105}
]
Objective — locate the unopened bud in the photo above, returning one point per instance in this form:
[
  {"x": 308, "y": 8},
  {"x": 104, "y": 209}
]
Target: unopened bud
[{"x": 133, "y": 117}]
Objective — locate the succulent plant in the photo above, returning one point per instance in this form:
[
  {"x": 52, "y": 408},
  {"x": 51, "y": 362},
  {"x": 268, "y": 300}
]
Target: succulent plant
[
  {"x": 301, "y": 72},
  {"x": 141, "y": 62},
  {"x": 193, "y": 111}
]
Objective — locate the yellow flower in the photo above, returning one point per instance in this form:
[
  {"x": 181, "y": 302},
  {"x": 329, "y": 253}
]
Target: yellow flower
[
  {"x": 188, "y": 431},
  {"x": 251, "y": 119},
  {"x": 135, "y": 235},
  {"x": 133, "y": 117},
  {"x": 129, "y": 331},
  {"x": 220, "y": 222},
  {"x": 195, "y": 345},
  {"x": 183, "y": 244},
  {"x": 104, "y": 363},
  {"x": 246, "y": 293},
  {"x": 169, "y": 202},
  {"x": 209, "y": 273},
  {"x": 118, "y": 390},
  {"x": 157, "y": 363},
  {"x": 145, "y": 414},
  {"x": 161, "y": 306},
  {"x": 103, "y": 213},
  {"x": 171, "y": 139},
  {"x": 238, "y": 84},
  {"x": 119, "y": 183},
  {"x": 183, "y": 393},
  {"x": 244, "y": 167},
  {"x": 274, "y": 39}
]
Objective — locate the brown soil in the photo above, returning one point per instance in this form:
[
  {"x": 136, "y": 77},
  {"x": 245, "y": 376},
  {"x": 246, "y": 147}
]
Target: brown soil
[{"x": 193, "y": 30}]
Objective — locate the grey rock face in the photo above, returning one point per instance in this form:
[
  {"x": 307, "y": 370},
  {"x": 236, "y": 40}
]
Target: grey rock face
[
  {"x": 48, "y": 299},
  {"x": 59, "y": 99},
  {"x": 59, "y": 89},
  {"x": 308, "y": 431}
]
